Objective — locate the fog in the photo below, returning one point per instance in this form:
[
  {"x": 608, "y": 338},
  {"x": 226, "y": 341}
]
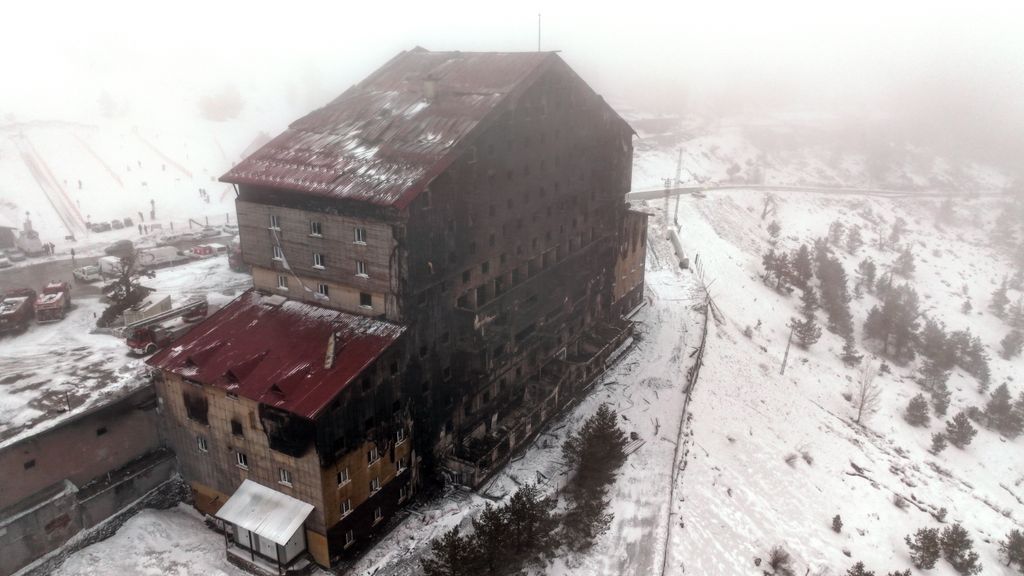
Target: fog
[{"x": 948, "y": 74}]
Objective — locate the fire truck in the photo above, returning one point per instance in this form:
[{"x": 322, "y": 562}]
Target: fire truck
[
  {"x": 150, "y": 334},
  {"x": 53, "y": 303},
  {"x": 16, "y": 311}
]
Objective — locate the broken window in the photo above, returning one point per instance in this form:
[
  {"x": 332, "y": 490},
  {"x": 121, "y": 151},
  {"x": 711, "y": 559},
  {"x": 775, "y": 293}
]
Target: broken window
[
  {"x": 196, "y": 407},
  {"x": 236, "y": 428}
]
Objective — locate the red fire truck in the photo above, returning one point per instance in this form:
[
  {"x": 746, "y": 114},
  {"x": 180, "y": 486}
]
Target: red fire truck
[
  {"x": 16, "y": 311},
  {"x": 53, "y": 303}
]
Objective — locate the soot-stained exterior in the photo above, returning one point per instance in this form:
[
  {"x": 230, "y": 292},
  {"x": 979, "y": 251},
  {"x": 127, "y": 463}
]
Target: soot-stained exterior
[{"x": 469, "y": 205}]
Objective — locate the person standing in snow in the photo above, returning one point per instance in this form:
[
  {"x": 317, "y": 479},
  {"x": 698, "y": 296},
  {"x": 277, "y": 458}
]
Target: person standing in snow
[{"x": 72, "y": 256}]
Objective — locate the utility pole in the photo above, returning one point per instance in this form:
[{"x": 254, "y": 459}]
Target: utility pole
[
  {"x": 788, "y": 344},
  {"x": 679, "y": 183},
  {"x": 538, "y": 31}
]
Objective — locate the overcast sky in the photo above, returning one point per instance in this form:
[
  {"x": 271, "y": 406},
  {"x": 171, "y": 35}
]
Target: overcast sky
[{"x": 927, "y": 63}]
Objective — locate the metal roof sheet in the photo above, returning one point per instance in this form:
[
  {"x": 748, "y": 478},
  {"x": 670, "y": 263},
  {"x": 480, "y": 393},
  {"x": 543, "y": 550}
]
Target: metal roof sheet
[
  {"x": 383, "y": 140},
  {"x": 273, "y": 351},
  {"x": 265, "y": 512}
]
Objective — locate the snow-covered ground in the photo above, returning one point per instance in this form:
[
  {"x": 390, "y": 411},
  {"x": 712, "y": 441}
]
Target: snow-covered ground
[
  {"x": 739, "y": 497},
  {"x": 52, "y": 366}
]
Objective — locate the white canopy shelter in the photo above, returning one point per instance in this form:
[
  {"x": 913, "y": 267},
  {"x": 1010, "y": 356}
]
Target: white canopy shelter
[{"x": 267, "y": 513}]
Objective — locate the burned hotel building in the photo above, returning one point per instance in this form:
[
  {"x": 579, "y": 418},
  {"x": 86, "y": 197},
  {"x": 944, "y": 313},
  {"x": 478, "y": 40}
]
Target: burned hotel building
[{"x": 442, "y": 259}]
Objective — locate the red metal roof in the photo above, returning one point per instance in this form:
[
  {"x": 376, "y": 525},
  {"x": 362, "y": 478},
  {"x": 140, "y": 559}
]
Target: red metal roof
[
  {"x": 274, "y": 351},
  {"x": 383, "y": 140}
]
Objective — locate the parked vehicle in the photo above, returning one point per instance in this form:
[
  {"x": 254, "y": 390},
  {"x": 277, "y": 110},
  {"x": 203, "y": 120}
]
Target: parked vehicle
[
  {"x": 161, "y": 257},
  {"x": 119, "y": 248},
  {"x": 110, "y": 266},
  {"x": 87, "y": 274},
  {"x": 100, "y": 227},
  {"x": 155, "y": 332},
  {"x": 128, "y": 222},
  {"x": 53, "y": 303},
  {"x": 15, "y": 255},
  {"x": 208, "y": 250},
  {"x": 210, "y": 232},
  {"x": 4, "y": 262},
  {"x": 171, "y": 239},
  {"x": 16, "y": 310},
  {"x": 116, "y": 224},
  {"x": 231, "y": 229}
]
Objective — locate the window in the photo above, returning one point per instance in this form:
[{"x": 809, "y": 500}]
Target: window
[
  {"x": 318, "y": 260},
  {"x": 349, "y": 539},
  {"x": 365, "y": 300},
  {"x": 361, "y": 268},
  {"x": 378, "y": 515},
  {"x": 426, "y": 199},
  {"x": 201, "y": 444},
  {"x": 360, "y": 236},
  {"x": 278, "y": 253},
  {"x": 242, "y": 460},
  {"x": 282, "y": 282},
  {"x": 403, "y": 493},
  {"x": 101, "y": 431},
  {"x": 196, "y": 407},
  {"x": 30, "y": 464},
  {"x": 343, "y": 477},
  {"x": 315, "y": 229},
  {"x": 323, "y": 289},
  {"x": 236, "y": 428},
  {"x": 375, "y": 484},
  {"x": 466, "y": 275},
  {"x": 284, "y": 476},
  {"x": 485, "y": 267},
  {"x": 275, "y": 224},
  {"x": 346, "y": 507},
  {"x": 402, "y": 464},
  {"x": 400, "y": 436},
  {"x": 372, "y": 455}
]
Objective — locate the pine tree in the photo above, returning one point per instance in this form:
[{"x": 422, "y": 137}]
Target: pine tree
[
  {"x": 938, "y": 443},
  {"x": 895, "y": 323},
  {"x": 854, "y": 241},
  {"x": 958, "y": 549},
  {"x": 807, "y": 331},
  {"x": 940, "y": 398},
  {"x": 773, "y": 231},
  {"x": 934, "y": 343},
  {"x": 531, "y": 523},
  {"x": 451, "y": 555},
  {"x": 1001, "y": 413},
  {"x": 1015, "y": 315},
  {"x": 917, "y": 411},
  {"x": 835, "y": 233},
  {"x": 837, "y": 524},
  {"x": 967, "y": 307},
  {"x": 850, "y": 356},
  {"x": 1012, "y": 549},
  {"x": 803, "y": 267},
  {"x": 1012, "y": 344},
  {"x": 597, "y": 449},
  {"x": 999, "y": 300},
  {"x": 490, "y": 532},
  {"x": 898, "y": 228},
  {"x": 932, "y": 373},
  {"x": 809, "y": 299},
  {"x": 960, "y": 431},
  {"x": 925, "y": 548},
  {"x": 867, "y": 270},
  {"x": 858, "y": 569},
  {"x": 905, "y": 263}
]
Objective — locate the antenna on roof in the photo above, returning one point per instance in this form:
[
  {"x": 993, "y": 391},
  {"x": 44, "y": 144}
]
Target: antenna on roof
[{"x": 538, "y": 31}]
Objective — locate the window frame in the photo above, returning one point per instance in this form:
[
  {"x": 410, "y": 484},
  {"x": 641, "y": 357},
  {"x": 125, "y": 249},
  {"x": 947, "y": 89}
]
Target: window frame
[
  {"x": 323, "y": 289},
  {"x": 282, "y": 282},
  {"x": 369, "y": 298},
  {"x": 375, "y": 485},
  {"x": 346, "y": 507},
  {"x": 316, "y": 229},
  {"x": 275, "y": 222},
  {"x": 284, "y": 477},
  {"x": 343, "y": 477},
  {"x": 318, "y": 261},
  {"x": 359, "y": 235},
  {"x": 202, "y": 444},
  {"x": 361, "y": 269},
  {"x": 277, "y": 253},
  {"x": 241, "y": 460}
]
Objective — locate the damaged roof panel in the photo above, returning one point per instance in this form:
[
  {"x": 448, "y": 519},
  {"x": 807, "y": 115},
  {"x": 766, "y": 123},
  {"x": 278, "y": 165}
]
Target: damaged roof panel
[
  {"x": 291, "y": 355},
  {"x": 383, "y": 140}
]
